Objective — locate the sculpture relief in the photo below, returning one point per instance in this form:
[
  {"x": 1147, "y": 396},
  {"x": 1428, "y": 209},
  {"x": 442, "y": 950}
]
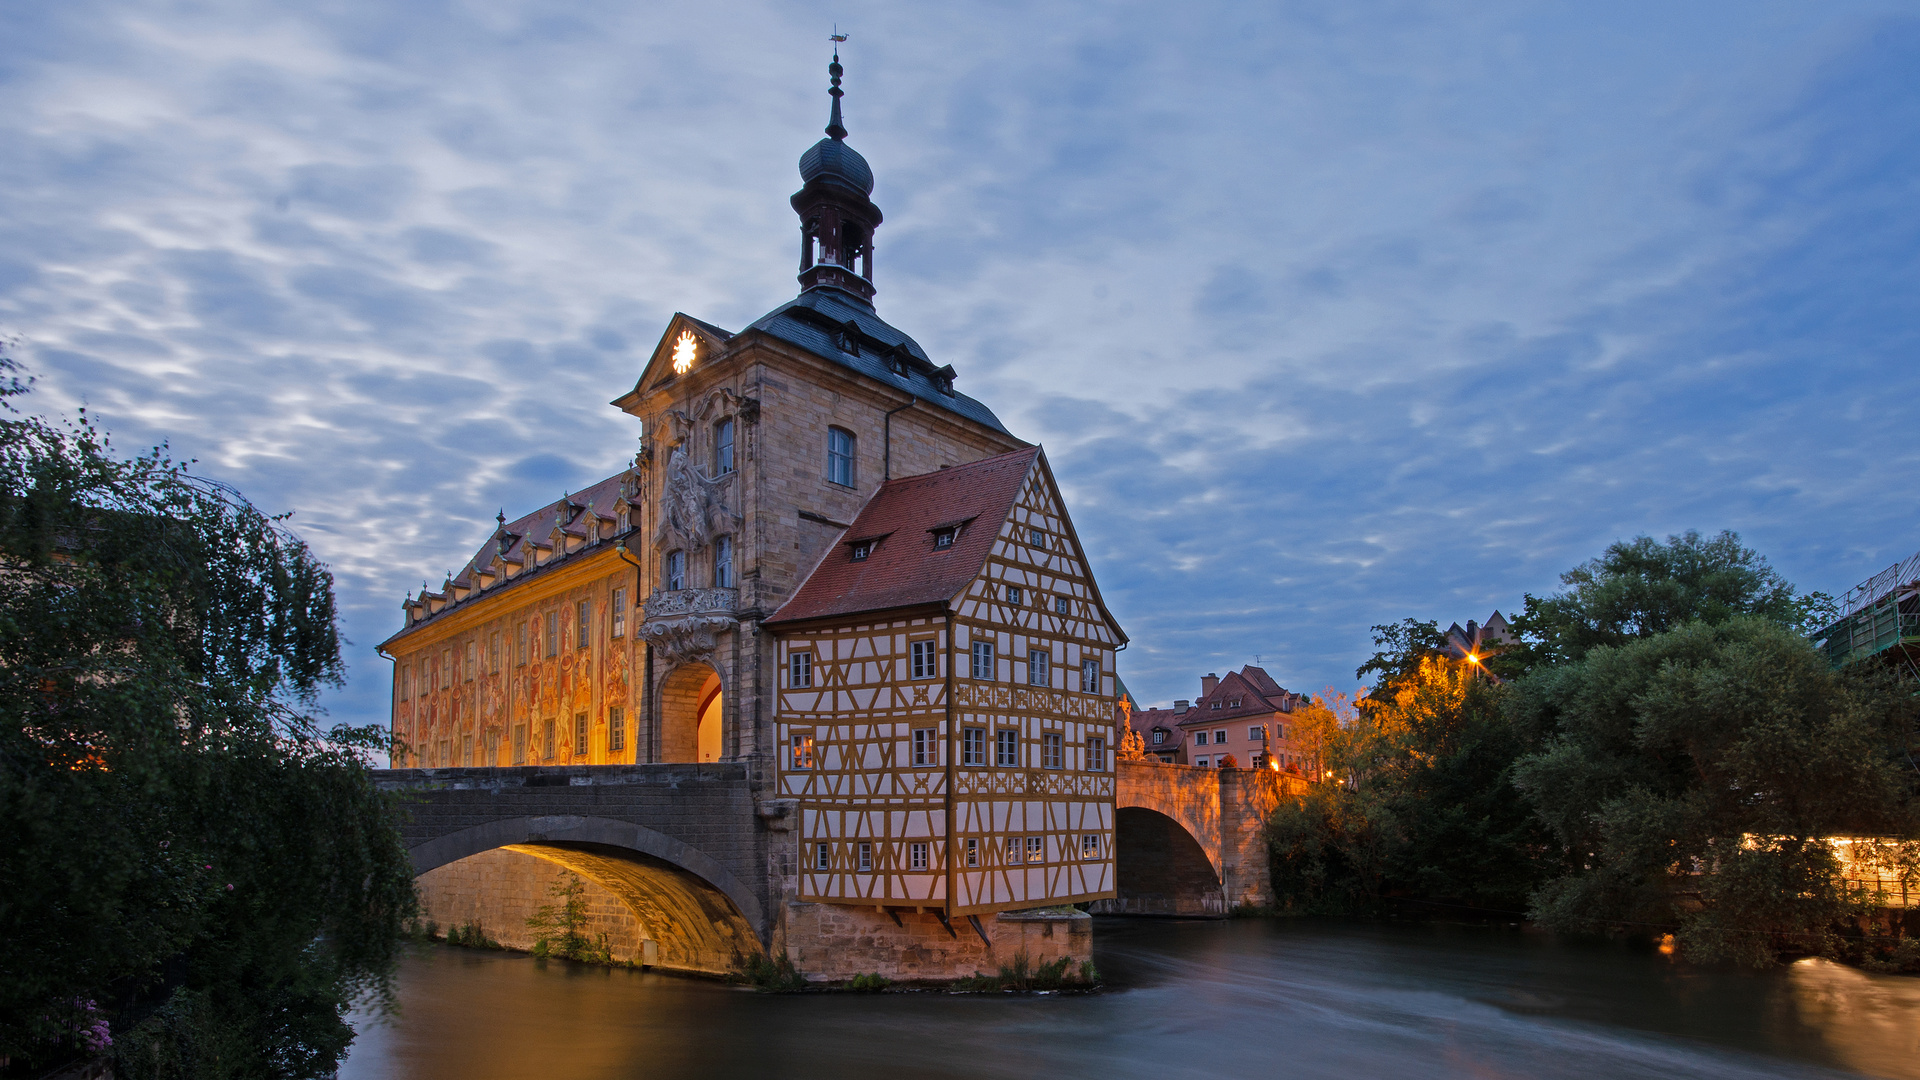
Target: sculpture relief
[
  {"x": 682, "y": 625},
  {"x": 691, "y": 509}
]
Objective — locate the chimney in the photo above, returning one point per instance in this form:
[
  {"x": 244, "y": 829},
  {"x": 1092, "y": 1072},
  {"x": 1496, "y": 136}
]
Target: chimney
[
  {"x": 1182, "y": 705},
  {"x": 1208, "y": 682}
]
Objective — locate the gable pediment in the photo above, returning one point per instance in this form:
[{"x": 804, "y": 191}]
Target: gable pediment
[{"x": 688, "y": 343}]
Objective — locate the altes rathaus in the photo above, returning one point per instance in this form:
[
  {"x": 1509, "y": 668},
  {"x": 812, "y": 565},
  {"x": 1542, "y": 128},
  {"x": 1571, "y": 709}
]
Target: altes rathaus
[{"x": 825, "y": 564}]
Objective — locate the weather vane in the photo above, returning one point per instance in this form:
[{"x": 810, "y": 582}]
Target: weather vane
[{"x": 837, "y": 37}]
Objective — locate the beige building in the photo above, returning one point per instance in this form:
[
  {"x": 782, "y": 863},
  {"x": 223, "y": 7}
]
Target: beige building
[
  {"x": 635, "y": 622},
  {"x": 1242, "y": 721}
]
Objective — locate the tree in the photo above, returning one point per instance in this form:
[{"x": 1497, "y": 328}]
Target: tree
[
  {"x": 1696, "y": 777},
  {"x": 1421, "y": 807},
  {"x": 1639, "y": 588},
  {"x": 187, "y": 854}
]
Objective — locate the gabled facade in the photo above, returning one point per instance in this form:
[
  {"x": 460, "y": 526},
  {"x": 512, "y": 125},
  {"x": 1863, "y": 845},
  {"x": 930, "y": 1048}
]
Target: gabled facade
[{"x": 947, "y": 702}]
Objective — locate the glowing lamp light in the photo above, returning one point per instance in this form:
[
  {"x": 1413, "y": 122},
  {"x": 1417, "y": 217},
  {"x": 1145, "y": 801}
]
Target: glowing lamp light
[
  {"x": 1472, "y": 658},
  {"x": 683, "y": 350}
]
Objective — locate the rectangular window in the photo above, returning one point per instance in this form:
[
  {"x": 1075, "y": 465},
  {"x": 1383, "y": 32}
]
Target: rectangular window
[
  {"x": 473, "y": 665},
  {"x": 973, "y": 851},
  {"x": 519, "y": 744},
  {"x": 1199, "y": 738},
  {"x": 723, "y": 448},
  {"x": 803, "y": 751},
  {"x": 580, "y": 735},
  {"x": 943, "y": 538},
  {"x": 1090, "y": 676},
  {"x": 1159, "y": 737},
  {"x": 553, "y": 633},
  {"x": 973, "y": 746},
  {"x": 926, "y": 750},
  {"x": 822, "y": 857},
  {"x": 1090, "y": 845},
  {"x": 549, "y": 746},
  {"x": 1036, "y": 538},
  {"x": 493, "y": 652},
  {"x": 1037, "y": 667},
  {"x": 1052, "y": 750},
  {"x": 983, "y": 659},
  {"x": 616, "y": 730},
  {"x": 866, "y": 856},
  {"x": 840, "y": 457},
  {"x": 1013, "y": 849},
  {"x": 619, "y": 613},
  {"x": 1035, "y": 850},
  {"x": 723, "y": 562},
  {"x": 446, "y": 669},
  {"x": 1257, "y": 733},
  {"x": 406, "y": 682},
  {"x": 1220, "y": 737},
  {"x": 466, "y": 751},
  {"x": 1062, "y": 605},
  {"x": 583, "y": 624},
  {"x": 800, "y": 670},
  {"x": 924, "y": 666},
  {"x": 520, "y": 646},
  {"x": 676, "y": 570},
  {"x": 1216, "y": 706},
  {"x": 1205, "y": 763},
  {"x": 1014, "y": 595},
  {"x": 917, "y": 855},
  {"x": 1006, "y": 748},
  {"x": 1096, "y": 755}
]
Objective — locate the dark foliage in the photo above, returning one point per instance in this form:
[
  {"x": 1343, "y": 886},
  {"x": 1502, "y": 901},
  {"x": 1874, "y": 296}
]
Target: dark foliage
[
  {"x": 185, "y": 852},
  {"x": 1638, "y": 588},
  {"x": 1695, "y": 780}
]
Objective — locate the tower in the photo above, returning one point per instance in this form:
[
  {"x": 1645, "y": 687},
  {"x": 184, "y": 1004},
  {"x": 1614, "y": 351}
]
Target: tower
[{"x": 837, "y": 215}]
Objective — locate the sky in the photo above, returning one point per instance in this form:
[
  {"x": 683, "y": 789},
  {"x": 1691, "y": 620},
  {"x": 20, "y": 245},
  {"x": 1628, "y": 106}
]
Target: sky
[{"x": 1327, "y": 315}]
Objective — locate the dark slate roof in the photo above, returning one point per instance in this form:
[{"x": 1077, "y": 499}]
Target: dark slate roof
[
  {"x": 816, "y": 320},
  {"x": 904, "y": 569},
  {"x": 837, "y": 163}
]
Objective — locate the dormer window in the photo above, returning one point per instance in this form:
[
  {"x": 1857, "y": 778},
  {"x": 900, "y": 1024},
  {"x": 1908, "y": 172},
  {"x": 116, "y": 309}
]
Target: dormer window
[
  {"x": 943, "y": 538},
  {"x": 862, "y": 549}
]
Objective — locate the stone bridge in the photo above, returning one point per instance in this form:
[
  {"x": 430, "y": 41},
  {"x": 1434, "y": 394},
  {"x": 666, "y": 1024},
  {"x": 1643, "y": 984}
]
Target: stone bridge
[
  {"x": 688, "y": 868},
  {"x": 1190, "y": 840}
]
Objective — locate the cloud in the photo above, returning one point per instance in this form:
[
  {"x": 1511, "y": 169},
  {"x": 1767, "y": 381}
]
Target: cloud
[{"x": 1326, "y": 317}]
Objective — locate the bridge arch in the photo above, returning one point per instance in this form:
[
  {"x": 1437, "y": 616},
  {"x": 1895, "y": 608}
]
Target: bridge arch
[{"x": 701, "y": 915}]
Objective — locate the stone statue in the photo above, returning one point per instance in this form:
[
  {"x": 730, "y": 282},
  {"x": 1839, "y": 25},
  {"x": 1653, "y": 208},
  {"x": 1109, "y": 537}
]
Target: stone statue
[
  {"x": 690, "y": 505},
  {"x": 1133, "y": 746}
]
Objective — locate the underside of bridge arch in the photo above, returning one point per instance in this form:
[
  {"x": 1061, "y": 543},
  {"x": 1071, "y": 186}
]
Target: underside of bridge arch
[
  {"x": 642, "y": 891},
  {"x": 1160, "y": 869},
  {"x": 694, "y": 926}
]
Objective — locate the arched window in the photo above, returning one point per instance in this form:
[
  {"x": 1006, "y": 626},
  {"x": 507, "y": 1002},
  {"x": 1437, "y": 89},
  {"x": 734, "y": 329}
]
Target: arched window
[
  {"x": 676, "y": 570},
  {"x": 723, "y": 448},
  {"x": 840, "y": 456}
]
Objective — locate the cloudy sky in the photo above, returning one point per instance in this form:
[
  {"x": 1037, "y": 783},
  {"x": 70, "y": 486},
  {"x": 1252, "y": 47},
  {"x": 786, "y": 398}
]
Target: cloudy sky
[{"x": 1327, "y": 314}]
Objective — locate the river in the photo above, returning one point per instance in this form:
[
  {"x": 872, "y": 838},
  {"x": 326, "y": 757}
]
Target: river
[{"x": 1240, "y": 998}]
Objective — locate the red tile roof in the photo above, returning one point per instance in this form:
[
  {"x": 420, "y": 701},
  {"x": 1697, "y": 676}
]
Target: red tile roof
[
  {"x": 905, "y": 569},
  {"x": 1253, "y": 688}
]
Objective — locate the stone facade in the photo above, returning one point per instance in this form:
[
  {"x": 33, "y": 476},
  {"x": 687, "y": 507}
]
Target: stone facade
[{"x": 838, "y": 941}]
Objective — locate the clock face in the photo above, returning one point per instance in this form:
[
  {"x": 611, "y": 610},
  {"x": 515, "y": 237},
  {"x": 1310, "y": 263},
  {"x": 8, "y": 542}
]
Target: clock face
[{"x": 684, "y": 348}]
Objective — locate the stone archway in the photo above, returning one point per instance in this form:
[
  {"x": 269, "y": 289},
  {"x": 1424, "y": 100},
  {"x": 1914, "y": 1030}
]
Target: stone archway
[
  {"x": 657, "y": 900},
  {"x": 691, "y": 708},
  {"x": 1160, "y": 868}
]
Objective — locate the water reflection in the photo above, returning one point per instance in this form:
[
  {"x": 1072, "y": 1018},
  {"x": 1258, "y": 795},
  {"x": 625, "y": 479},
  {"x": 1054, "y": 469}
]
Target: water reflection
[{"x": 1233, "y": 999}]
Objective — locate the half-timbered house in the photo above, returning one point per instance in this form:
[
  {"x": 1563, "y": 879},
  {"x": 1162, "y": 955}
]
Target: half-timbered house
[{"x": 947, "y": 700}]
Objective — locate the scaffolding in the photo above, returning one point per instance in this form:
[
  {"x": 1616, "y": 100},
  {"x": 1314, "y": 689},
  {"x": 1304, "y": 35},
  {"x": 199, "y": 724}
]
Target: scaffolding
[{"x": 1880, "y": 617}]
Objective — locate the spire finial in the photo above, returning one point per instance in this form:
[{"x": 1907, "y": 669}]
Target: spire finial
[{"x": 835, "y": 129}]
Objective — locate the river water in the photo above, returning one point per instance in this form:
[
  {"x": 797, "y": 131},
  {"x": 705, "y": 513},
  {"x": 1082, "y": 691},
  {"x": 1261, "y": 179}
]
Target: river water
[{"x": 1240, "y": 998}]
